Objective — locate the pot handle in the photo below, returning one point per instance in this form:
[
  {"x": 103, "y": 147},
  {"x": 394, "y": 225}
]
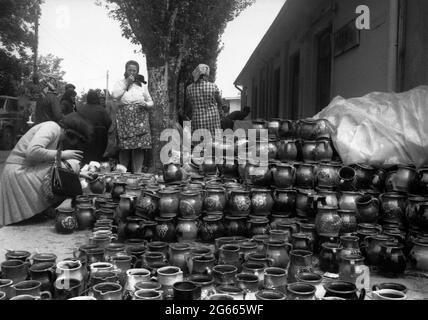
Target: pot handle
[
  {"x": 271, "y": 261},
  {"x": 375, "y": 287},
  {"x": 134, "y": 260}
]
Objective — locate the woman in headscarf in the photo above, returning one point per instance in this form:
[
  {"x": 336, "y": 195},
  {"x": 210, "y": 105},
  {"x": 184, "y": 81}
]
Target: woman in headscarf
[
  {"x": 204, "y": 99},
  {"x": 22, "y": 183},
  {"x": 132, "y": 117}
]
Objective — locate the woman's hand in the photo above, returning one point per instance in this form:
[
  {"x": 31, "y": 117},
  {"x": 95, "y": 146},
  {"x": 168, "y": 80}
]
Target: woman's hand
[{"x": 72, "y": 155}]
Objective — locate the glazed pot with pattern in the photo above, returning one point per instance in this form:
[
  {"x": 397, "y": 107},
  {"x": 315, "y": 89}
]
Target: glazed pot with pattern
[
  {"x": 287, "y": 150},
  {"x": 211, "y": 228},
  {"x": 258, "y": 174},
  {"x": 284, "y": 201},
  {"x": 328, "y": 222},
  {"x": 392, "y": 259},
  {"x": 215, "y": 200},
  {"x": 65, "y": 220},
  {"x": 284, "y": 176},
  {"x": 165, "y": 229},
  {"x": 328, "y": 175},
  {"x": 147, "y": 205},
  {"x": 364, "y": 175},
  {"x": 258, "y": 226},
  {"x": 240, "y": 202},
  {"x": 300, "y": 260},
  {"x": 187, "y": 229},
  {"x": 329, "y": 257},
  {"x": 305, "y": 175},
  {"x": 309, "y": 129},
  {"x": 261, "y": 202},
  {"x": 235, "y": 226},
  {"x": 169, "y": 201},
  {"x": 327, "y": 198},
  {"x": 412, "y": 207},
  {"x": 190, "y": 204},
  {"x": 348, "y": 200},
  {"x": 349, "y": 221},
  {"x": 421, "y": 181},
  {"x": 367, "y": 209},
  {"x": 350, "y": 246},
  {"x": 393, "y": 207}
]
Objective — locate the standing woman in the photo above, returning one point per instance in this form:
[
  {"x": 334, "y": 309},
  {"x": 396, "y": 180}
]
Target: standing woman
[
  {"x": 132, "y": 117},
  {"x": 204, "y": 100}
]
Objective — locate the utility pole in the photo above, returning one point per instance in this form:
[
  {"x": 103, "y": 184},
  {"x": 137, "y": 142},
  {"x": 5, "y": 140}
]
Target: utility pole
[{"x": 106, "y": 93}]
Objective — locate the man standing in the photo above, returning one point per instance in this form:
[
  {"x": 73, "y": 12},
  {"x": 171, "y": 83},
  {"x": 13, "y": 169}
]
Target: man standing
[{"x": 48, "y": 107}]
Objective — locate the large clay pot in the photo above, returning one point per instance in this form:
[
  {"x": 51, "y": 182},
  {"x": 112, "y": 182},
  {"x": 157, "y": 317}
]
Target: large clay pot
[
  {"x": 323, "y": 150},
  {"x": 348, "y": 200},
  {"x": 172, "y": 173},
  {"x": 240, "y": 202},
  {"x": 211, "y": 229},
  {"x": 367, "y": 209},
  {"x": 165, "y": 229},
  {"x": 305, "y": 176},
  {"x": 215, "y": 200},
  {"x": 147, "y": 205},
  {"x": 403, "y": 179},
  {"x": 300, "y": 260},
  {"x": 258, "y": 226},
  {"x": 287, "y": 150},
  {"x": 258, "y": 175},
  {"x": 419, "y": 255},
  {"x": 392, "y": 259},
  {"x": 261, "y": 202},
  {"x": 65, "y": 220},
  {"x": 328, "y": 175},
  {"x": 169, "y": 201},
  {"x": 187, "y": 229},
  {"x": 235, "y": 226},
  {"x": 328, "y": 222},
  {"x": 307, "y": 129},
  {"x": 85, "y": 215},
  {"x": 286, "y": 129},
  {"x": 190, "y": 204},
  {"x": 394, "y": 205},
  {"x": 308, "y": 151},
  {"x": 329, "y": 257},
  {"x": 350, "y": 246},
  {"x": 279, "y": 252},
  {"x": 285, "y": 201},
  {"x": 364, "y": 175},
  {"x": 373, "y": 248},
  {"x": 284, "y": 176},
  {"x": 349, "y": 221}
]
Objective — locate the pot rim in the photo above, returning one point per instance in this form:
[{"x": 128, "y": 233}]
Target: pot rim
[{"x": 291, "y": 287}]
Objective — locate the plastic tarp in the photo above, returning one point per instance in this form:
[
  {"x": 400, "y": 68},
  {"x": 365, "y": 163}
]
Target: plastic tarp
[{"x": 381, "y": 129}]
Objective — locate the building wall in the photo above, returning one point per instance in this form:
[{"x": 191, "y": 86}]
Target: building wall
[{"x": 357, "y": 72}]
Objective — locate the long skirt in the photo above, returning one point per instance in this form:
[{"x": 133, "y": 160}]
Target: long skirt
[
  {"x": 21, "y": 191},
  {"x": 133, "y": 127}
]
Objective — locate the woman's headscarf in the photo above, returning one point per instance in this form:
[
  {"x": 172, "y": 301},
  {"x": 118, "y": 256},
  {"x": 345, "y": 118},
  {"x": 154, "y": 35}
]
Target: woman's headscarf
[
  {"x": 138, "y": 78},
  {"x": 200, "y": 70}
]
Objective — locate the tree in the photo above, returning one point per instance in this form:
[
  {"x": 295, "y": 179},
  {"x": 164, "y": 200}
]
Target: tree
[
  {"x": 17, "y": 38},
  {"x": 175, "y": 36}
]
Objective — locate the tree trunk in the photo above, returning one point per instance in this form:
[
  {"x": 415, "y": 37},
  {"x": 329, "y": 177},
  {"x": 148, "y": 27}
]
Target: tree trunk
[{"x": 163, "y": 89}]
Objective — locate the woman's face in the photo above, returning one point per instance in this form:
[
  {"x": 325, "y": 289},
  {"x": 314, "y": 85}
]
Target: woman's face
[{"x": 132, "y": 70}]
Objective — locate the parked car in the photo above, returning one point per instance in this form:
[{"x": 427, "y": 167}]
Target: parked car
[{"x": 13, "y": 122}]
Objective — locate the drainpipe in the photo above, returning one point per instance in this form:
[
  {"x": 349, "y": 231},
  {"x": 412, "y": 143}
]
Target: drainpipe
[{"x": 394, "y": 16}]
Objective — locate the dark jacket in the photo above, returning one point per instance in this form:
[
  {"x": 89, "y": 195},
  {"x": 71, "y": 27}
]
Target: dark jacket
[
  {"x": 95, "y": 114},
  {"x": 48, "y": 108}
]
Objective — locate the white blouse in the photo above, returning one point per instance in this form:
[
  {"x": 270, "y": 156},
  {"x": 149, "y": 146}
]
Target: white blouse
[{"x": 135, "y": 94}]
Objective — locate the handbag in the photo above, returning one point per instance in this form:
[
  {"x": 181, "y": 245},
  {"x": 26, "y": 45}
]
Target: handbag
[{"x": 60, "y": 181}]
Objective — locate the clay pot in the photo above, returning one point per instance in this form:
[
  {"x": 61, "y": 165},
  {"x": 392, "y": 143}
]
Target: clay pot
[
  {"x": 147, "y": 205},
  {"x": 328, "y": 175},
  {"x": 308, "y": 150},
  {"x": 348, "y": 200},
  {"x": 286, "y": 129},
  {"x": 421, "y": 181},
  {"x": 258, "y": 226},
  {"x": 205, "y": 282},
  {"x": 329, "y": 257},
  {"x": 261, "y": 202},
  {"x": 327, "y": 198},
  {"x": 305, "y": 203},
  {"x": 65, "y": 220},
  {"x": 211, "y": 229},
  {"x": 187, "y": 229},
  {"x": 364, "y": 176},
  {"x": 22, "y": 255},
  {"x": 247, "y": 248},
  {"x": 119, "y": 188},
  {"x": 367, "y": 209},
  {"x": 393, "y": 207},
  {"x": 97, "y": 186},
  {"x": 323, "y": 150},
  {"x": 419, "y": 255},
  {"x": 224, "y": 274},
  {"x": 133, "y": 227},
  {"x": 413, "y": 206},
  {"x": 305, "y": 176},
  {"x": 107, "y": 291},
  {"x": 272, "y": 149},
  {"x": 350, "y": 267},
  {"x": 279, "y": 252},
  {"x": 307, "y": 129},
  {"x": 392, "y": 259},
  {"x": 215, "y": 200},
  {"x": 190, "y": 204},
  {"x": 373, "y": 248},
  {"x": 350, "y": 246},
  {"x": 235, "y": 226},
  {"x": 275, "y": 279},
  {"x": 284, "y": 176},
  {"x": 347, "y": 179},
  {"x": 344, "y": 290},
  {"x": 273, "y": 127},
  {"x": 240, "y": 203},
  {"x": 169, "y": 201},
  {"x": 126, "y": 206},
  {"x": 287, "y": 150},
  {"x": 301, "y": 241},
  {"x": 165, "y": 229},
  {"x": 178, "y": 255},
  {"x": 172, "y": 173},
  {"x": 349, "y": 221},
  {"x": 285, "y": 201},
  {"x": 200, "y": 264},
  {"x": 289, "y": 224},
  {"x": 310, "y": 230},
  {"x": 277, "y": 218},
  {"x": 44, "y": 258},
  {"x": 300, "y": 260},
  {"x": 258, "y": 175},
  {"x": 85, "y": 215},
  {"x": 378, "y": 182},
  {"x": 328, "y": 222},
  {"x": 402, "y": 180}
]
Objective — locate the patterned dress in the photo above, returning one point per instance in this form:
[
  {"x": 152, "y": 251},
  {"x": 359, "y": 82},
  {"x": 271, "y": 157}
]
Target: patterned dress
[
  {"x": 132, "y": 119},
  {"x": 201, "y": 95}
]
